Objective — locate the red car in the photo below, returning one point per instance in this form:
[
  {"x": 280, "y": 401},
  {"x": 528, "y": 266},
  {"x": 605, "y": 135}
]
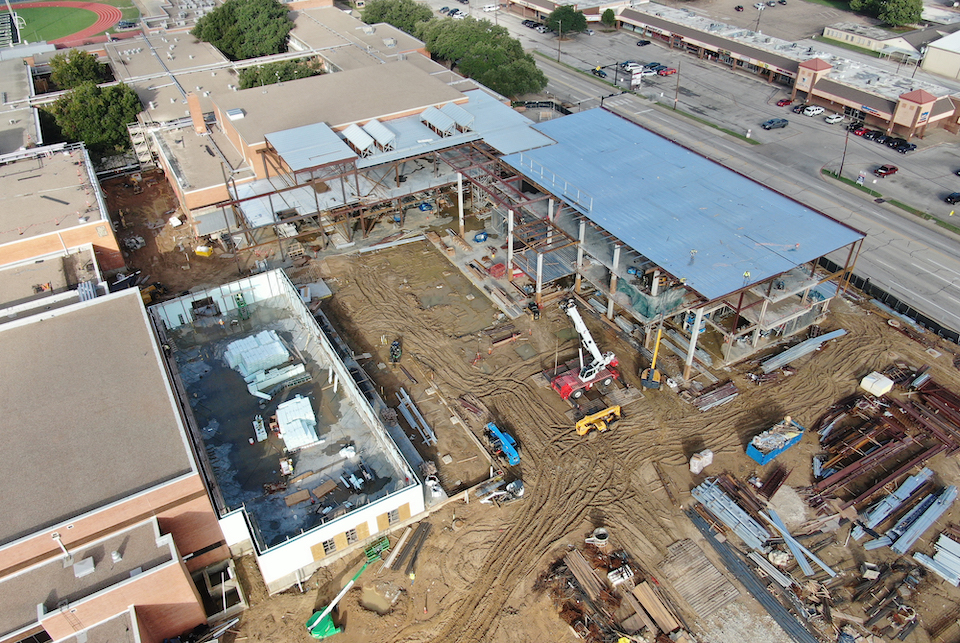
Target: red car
[
  {"x": 860, "y": 131},
  {"x": 783, "y": 102},
  {"x": 667, "y": 72}
]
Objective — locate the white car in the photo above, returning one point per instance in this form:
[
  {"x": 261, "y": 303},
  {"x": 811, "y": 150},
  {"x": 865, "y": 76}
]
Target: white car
[
  {"x": 813, "y": 110},
  {"x": 631, "y": 67},
  {"x": 648, "y": 72},
  {"x": 833, "y": 118},
  {"x": 760, "y": 6},
  {"x": 589, "y": 32}
]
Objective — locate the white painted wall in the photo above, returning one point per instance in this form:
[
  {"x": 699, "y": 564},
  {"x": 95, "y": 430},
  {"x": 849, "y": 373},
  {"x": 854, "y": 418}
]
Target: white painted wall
[{"x": 284, "y": 560}]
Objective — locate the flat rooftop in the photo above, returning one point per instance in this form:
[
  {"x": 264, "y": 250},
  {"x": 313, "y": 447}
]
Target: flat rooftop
[
  {"x": 55, "y": 581},
  {"x": 248, "y": 472},
  {"x": 859, "y": 75},
  {"x": 32, "y": 284},
  {"x": 90, "y": 406},
  {"x": 47, "y": 192},
  {"x": 665, "y": 202},
  {"x": 332, "y": 30},
  {"x": 382, "y": 91},
  {"x": 18, "y": 128}
]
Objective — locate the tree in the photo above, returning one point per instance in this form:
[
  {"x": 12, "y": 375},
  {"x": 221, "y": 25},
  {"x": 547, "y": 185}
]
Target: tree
[
  {"x": 278, "y": 72},
  {"x": 68, "y": 70},
  {"x": 901, "y": 12},
  {"x": 609, "y": 18},
  {"x": 402, "y": 14},
  {"x": 566, "y": 19},
  {"x": 246, "y": 28},
  {"x": 98, "y": 116},
  {"x": 484, "y": 52}
]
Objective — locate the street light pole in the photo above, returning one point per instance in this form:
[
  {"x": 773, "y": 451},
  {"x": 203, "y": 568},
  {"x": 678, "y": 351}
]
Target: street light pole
[
  {"x": 559, "y": 37},
  {"x": 844, "y": 156}
]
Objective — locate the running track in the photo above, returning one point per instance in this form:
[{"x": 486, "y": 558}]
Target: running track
[{"x": 107, "y": 16}]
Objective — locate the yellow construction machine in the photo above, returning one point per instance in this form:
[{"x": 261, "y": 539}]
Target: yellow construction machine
[{"x": 598, "y": 422}]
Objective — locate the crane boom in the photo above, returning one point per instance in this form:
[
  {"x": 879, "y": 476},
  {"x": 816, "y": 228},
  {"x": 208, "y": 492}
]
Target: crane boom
[{"x": 588, "y": 371}]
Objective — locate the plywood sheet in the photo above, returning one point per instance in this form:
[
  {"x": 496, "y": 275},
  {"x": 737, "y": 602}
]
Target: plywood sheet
[{"x": 296, "y": 498}]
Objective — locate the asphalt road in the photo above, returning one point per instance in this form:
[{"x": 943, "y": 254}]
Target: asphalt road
[{"x": 911, "y": 258}]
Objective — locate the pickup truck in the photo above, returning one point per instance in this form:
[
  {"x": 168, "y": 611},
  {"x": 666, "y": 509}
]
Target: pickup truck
[{"x": 886, "y": 170}]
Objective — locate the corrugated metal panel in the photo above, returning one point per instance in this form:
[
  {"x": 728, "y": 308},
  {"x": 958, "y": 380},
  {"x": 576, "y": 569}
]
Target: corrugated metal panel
[
  {"x": 386, "y": 139},
  {"x": 460, "y": 116},
  {"x": 664, "y": 201},
  {"x": 87, "y": 290},
  {"x": 361, "y": 141},
  {"x": 440, "y": 122},
  {"x": 310, "y": 146}
]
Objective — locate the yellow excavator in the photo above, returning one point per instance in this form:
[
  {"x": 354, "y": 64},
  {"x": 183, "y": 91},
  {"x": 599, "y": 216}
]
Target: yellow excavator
[{"x": 599, "y": 422}]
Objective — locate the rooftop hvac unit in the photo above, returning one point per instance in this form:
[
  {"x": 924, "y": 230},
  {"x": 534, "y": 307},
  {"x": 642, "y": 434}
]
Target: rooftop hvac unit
[
  {"x": 369, "y": 30},
  {"x": 84, "y": 567},
  {"x": 235, "y": 114}
]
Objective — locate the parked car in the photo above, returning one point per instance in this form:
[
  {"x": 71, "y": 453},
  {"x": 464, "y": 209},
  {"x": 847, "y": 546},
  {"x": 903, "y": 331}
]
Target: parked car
[
  {"x": 599, "y": 73},
  {"x": 444, "y": 9},
  {"x": 833, "y": 118},
  {"x": 957, "y": 172},
  {"x": 630, "y": 63},
  {"x": 781, "y": 1},
  {"x": 648, "y": 72},
  {"x": 759, "y": 5},
  {"x": 906, "y": 147},
  {"x": 895, "y": 142},
  {"x": 643, "y": 43},
  {"x": 783, "y": 102},
  {"x": 739, "y": 7},
  {"x": 882, "y": 139},
  {"x": 529, "y": 23},
  {"x": 813, "y": 110},
  {"x": 871, "y": 134},
  {"x": 953, "y": 197},
  {"x": 799, "y": 108},
  {"x": 652, "y": 65},
  {"x": 854, "y": 125},
  {"x": 886, "y": 170},
  {"x": 632, "y": 67},
  {"x": 589, "y": 32},
  {"x": 859, "y": 131},
  {"x": 540, "y": 28},
  {"x": 669, "y": 71},
  {"x": 775, "y": 123},
  {"x": 771, "y": 3}
]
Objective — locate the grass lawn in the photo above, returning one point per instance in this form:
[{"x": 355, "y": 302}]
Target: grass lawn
[{"x": 50, "y": 23}]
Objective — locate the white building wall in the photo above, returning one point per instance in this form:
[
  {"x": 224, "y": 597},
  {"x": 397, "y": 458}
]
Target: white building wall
[
  {"x": 942, "y": 61},
  {"x": 279, "y": 565}
]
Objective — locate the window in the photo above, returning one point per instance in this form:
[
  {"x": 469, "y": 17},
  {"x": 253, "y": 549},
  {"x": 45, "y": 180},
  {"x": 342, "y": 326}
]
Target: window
[
  {"x": 393, "y": 517},
  {"x": 329, "y": 546},
  {"x": 352, "y": 536}
]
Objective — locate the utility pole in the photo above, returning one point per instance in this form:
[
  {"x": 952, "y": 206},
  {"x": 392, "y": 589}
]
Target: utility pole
[
  {"x": 559, "y": 37},
  {"x": 844, "y": 156},
  {"x": 676, "y": 95}
]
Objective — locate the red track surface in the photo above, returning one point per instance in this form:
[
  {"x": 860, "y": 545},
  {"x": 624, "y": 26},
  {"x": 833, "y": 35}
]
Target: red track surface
[{"x": 107, "y": 16}]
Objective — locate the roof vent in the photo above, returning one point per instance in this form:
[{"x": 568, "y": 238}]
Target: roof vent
[
  {"x": 116, "y": 556},
  {"x": 390, "y": 42},
  {"x": 369, "y": 29},
  {"x": 84, "y": 567},
  {"x": 235, "y": 114}
]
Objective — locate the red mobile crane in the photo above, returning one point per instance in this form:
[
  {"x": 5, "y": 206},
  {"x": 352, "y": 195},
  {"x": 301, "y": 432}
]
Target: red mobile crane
[{"x": 570, "y": 380}]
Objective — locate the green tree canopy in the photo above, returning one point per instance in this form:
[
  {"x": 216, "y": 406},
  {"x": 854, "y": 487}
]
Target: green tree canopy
[
  {"x": 402, "y": 14},
  {"x": 246, "y": 28},
  {"x": 98, "y": 116},
  {"x": 566, "y": 19},
  {"x": 608, "y": 18},
  {"x": 484, "y": 52},
  {"x": 281, "y": 71},
  {"x": 901, "y": 12},
  {"x": 68, "y": 70}
]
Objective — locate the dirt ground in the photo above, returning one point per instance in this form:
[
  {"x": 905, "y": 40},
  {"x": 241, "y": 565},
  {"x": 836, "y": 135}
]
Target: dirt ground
[
  {"x": 476, "y": 575},
  {"x": 142, "y": 210}
]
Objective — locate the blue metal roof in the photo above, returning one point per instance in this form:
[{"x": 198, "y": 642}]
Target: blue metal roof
[
  {"x": 665, "y": 201},
  {"x": 310, "y": 146}
]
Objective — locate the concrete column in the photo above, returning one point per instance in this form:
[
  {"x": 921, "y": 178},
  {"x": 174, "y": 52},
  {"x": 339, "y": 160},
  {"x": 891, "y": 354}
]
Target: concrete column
[
  {"x": 613, "y": 280},
  {"x": 655, "y": 284},
  {"x": 539, "y": 277},
  {"x": 694, "y": 334},
  {"x": 460, "y": 200},
  {"x": 583, "y": 233},
  {"x": 510, "y": 245}
]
